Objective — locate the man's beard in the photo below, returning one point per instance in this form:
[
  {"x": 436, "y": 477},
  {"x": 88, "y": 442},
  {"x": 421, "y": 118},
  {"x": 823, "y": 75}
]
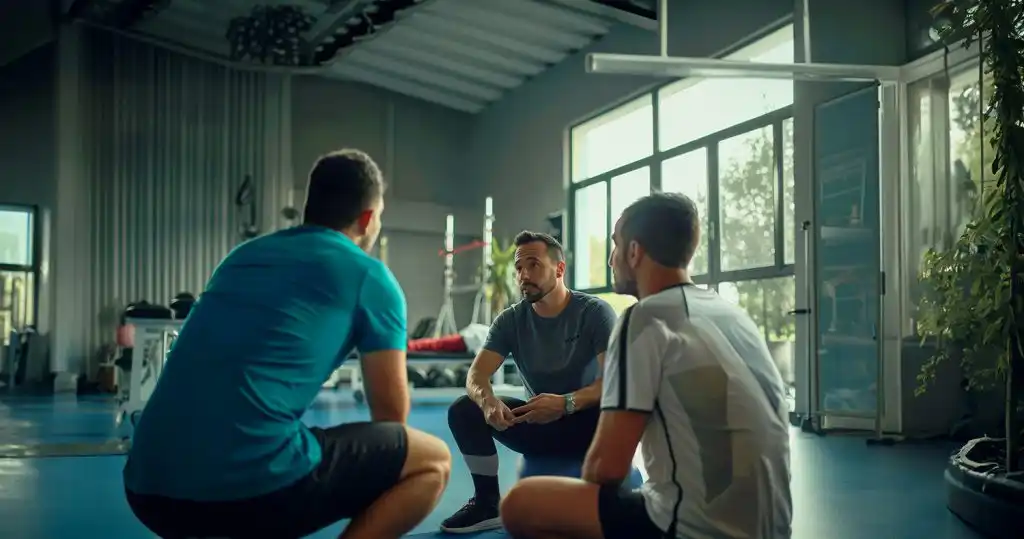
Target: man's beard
[
  {"x": 625, "y": 286},
  {"x": 534, "y": 293},
  {"x": 367, "y": 242}
]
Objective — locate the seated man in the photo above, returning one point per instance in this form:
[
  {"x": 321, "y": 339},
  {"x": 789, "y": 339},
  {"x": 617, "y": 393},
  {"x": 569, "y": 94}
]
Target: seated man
[
  {"x": 557, "y": 338},
  {"x": 221, "y": 450},
  {"x": 689, "y": 377}
]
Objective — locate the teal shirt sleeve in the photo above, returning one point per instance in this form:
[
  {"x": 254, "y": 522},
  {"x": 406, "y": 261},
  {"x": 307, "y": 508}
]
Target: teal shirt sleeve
[{"x": 382, "y": 318}]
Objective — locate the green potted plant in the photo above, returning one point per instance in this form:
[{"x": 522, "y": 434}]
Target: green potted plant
[
  {"x": 972, "y": 304},
  {"x": 501, "y": 286}
]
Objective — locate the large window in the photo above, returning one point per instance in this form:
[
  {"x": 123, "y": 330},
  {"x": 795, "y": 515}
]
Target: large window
[
  {"x": 726, "y": 144},
  {"x": 950, "y": 162},
  {"x": 17, "y": 270},
  {"x": 693, "y": 108}
]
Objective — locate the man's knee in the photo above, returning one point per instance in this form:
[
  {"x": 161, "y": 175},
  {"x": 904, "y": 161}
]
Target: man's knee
[
  {"x": 426, "y": 454},
  {"x": 464, "y": 411},
  {"x": 516, "y": 506}
]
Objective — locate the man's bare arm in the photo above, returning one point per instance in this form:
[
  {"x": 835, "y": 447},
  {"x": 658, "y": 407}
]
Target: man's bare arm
[
  {"x": 386, "y": 383},
  {"x": 610, "y": 458},
  {"x": 478, "y": 380}
]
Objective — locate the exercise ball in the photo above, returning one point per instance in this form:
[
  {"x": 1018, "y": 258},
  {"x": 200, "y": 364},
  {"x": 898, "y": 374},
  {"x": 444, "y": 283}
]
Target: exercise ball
[{"x": 565, "y": 467}]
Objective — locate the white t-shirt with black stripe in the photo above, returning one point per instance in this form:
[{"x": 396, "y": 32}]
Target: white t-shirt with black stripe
[{"x": 716, "y": 448}]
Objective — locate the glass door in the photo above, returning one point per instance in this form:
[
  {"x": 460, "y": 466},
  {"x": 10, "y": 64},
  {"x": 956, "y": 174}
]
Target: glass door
[{"x": 846, "y": 266}]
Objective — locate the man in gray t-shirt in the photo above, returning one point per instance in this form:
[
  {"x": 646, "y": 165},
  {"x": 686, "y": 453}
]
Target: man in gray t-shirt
[{"x": 557, "y": 338}]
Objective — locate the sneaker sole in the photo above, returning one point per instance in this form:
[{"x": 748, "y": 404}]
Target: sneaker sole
[{"x": 483, "y": 525}]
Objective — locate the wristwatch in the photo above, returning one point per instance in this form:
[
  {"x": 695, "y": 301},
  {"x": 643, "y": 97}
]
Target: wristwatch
[{"x": 570, "y": 404}]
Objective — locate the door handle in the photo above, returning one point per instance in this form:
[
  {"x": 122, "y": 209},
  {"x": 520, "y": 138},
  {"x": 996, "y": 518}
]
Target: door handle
[{"x": 799, "y": 311}]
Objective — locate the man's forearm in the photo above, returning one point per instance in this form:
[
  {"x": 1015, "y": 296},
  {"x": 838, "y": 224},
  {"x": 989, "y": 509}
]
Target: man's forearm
[
  {"x": 588, "y": 397},
  {"x": 478, "y": 387},
  {"x": 591, "y": 473}
]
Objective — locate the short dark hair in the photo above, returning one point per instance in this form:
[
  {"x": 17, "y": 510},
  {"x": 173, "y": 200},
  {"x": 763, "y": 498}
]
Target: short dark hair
[
  {"x": 555, "y": 250},
  {"x": 342, "y": 184},
  {"x": 666, "y": 225}
]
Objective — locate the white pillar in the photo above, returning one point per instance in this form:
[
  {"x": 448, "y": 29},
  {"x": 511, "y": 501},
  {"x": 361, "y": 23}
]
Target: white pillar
[{"x": 69, "y": 271}]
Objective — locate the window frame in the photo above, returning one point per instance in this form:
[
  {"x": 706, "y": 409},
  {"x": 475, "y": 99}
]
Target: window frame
[
  {"x": 33, "y": 212},
  {"x": 34, "y": 267},
  {"x": 710, "y": 142},
  {"x": 936, "y": 85},
  {"x": 714, "y": 275}
]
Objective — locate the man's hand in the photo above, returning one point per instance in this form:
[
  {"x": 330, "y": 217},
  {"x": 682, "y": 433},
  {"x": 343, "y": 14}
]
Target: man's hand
[
  {"x": 541, "y": 409},
  {"x": 497, "y": 414}
]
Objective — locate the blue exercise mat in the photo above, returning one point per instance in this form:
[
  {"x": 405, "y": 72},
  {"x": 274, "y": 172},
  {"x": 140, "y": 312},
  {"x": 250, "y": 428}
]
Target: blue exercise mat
[{"x": 493, "y": 534}]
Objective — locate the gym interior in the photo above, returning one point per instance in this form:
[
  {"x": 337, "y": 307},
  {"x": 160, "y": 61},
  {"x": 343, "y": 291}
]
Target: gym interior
[{"x": 142, "y": 141}]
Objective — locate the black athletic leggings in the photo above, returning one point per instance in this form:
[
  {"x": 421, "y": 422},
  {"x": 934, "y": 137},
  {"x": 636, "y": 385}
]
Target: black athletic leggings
[{"x": 569, "y": 436}]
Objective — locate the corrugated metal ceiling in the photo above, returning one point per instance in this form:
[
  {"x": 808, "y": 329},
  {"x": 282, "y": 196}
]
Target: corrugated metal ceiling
[{"x": 463, "y": 54}]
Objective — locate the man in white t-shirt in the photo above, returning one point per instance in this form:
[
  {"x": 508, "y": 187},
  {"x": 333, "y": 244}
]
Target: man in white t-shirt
[{"x": 689, "y": 378}]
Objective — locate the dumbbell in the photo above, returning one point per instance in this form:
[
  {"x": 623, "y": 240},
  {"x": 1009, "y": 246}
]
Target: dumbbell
[
  {"x": 417, "y": 376},
  {"x": 441, "y": 377},
  {"x": 461, "y": 373}
]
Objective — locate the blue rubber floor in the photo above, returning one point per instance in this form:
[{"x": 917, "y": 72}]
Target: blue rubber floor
[{"x": 842, "y": 488}]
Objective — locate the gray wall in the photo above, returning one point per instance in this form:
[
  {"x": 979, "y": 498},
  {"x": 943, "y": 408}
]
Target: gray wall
[
  {"x": 24, "y": 25},
  {"x": 413, "y": 258},
  {"x": 421, "y": 148},
  {"x": 418, "y": 145},
  {"x": 519, "y": 143},
  {"x": 28, "y": 129}
]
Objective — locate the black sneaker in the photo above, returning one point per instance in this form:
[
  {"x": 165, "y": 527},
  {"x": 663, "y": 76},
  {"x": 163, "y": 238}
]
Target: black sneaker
[{"x": 473, "y": 517}]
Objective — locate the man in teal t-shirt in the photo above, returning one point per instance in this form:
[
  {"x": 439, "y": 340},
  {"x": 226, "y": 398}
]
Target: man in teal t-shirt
[{"x": 220, "y": 449}]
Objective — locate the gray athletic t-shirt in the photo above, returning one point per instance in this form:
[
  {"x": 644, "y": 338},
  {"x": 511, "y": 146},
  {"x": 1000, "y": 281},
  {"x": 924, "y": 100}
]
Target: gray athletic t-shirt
[{"x": 559, "y": 354}]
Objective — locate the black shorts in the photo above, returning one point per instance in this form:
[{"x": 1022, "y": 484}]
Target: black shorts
[
  {"x": 361, "y": 461},
  {"x": 623, "y": 515}
]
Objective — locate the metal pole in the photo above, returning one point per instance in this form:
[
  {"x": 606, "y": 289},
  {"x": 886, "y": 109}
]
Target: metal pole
[
  {"x": 663, "y": 26},
  {"x": 810, "y": 272},
  {"x": 487, "y": 259},
  {"x": 446, "y": 315},
  {"x": 383, "y": 253}
]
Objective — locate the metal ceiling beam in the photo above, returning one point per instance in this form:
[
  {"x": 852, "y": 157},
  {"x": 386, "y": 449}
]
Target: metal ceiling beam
[
  {"x": 337, "y": 12},
  {"x": 334, "y": 19},
  {"x": 607, "y": 12}
]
